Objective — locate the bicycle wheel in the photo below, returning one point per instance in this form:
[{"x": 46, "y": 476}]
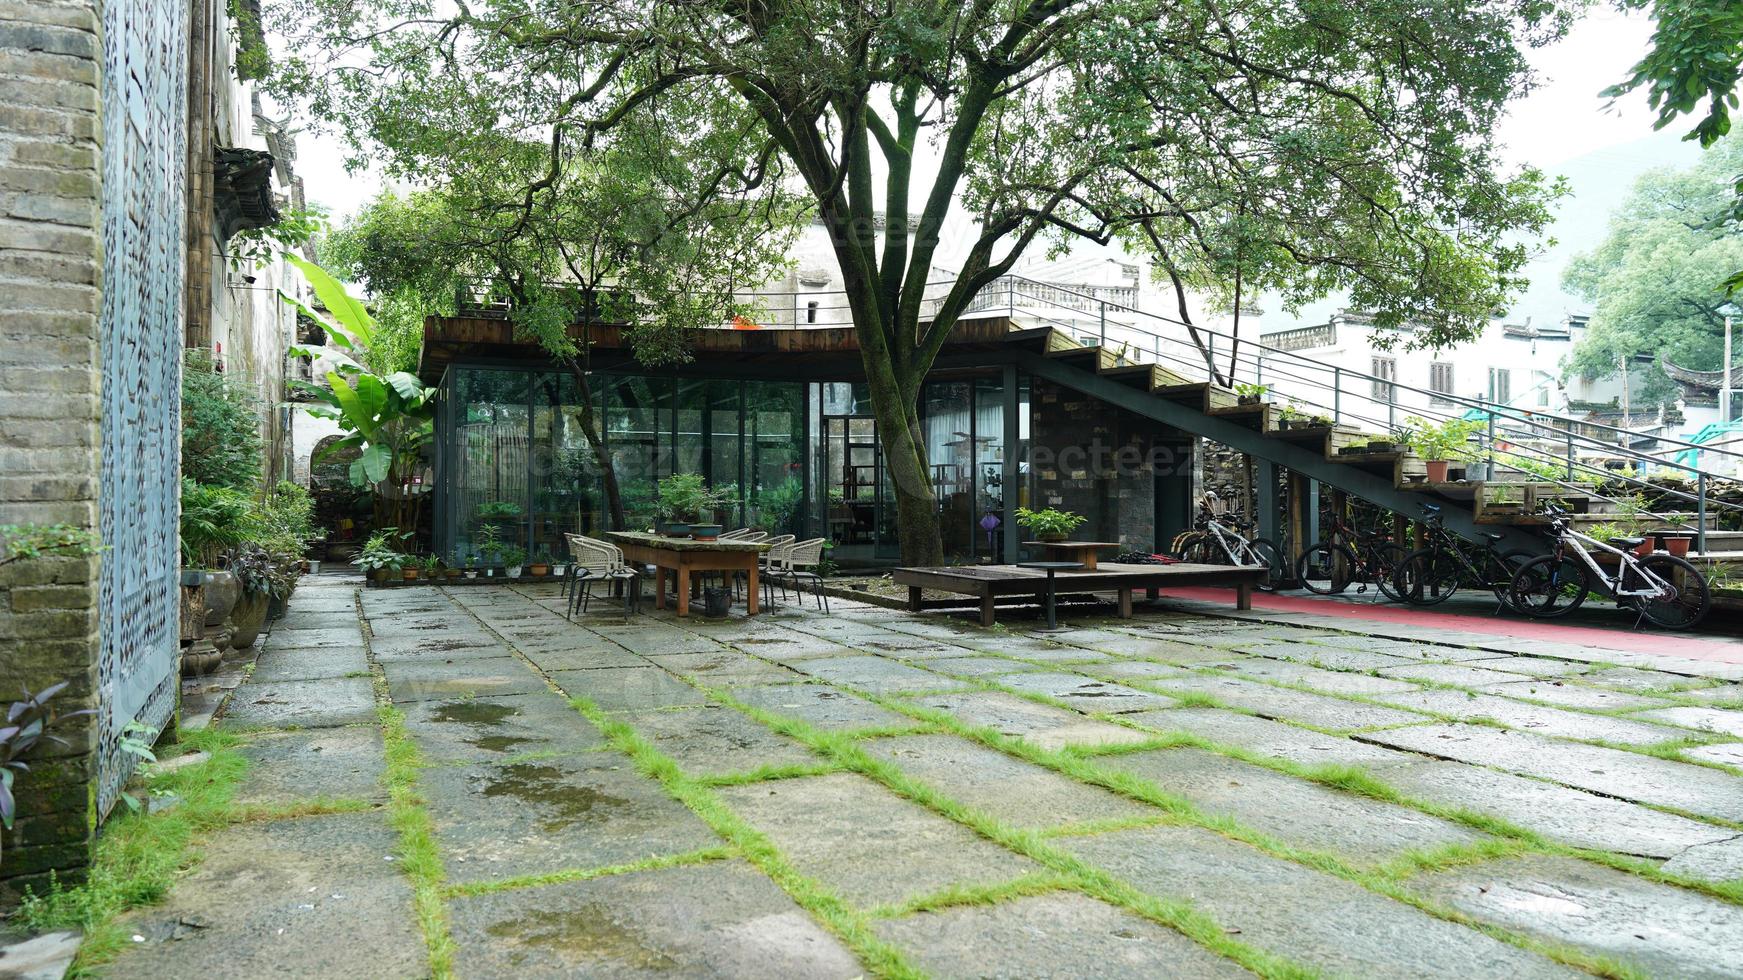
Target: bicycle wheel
[
  {"x": 1386, "y": 558},
  {"x": 1325, "y": 569},
  {"x": 1500, "y": 570},
  {"x": 1550, "y": 586},
  {"x": 1428, "y": 576},
  {"x": 1688, "y": 601},
  {"x": 1266, "y": 552}
]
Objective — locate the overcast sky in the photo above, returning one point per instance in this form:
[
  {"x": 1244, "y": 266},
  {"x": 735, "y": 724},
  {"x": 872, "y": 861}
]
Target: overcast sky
[{"x": 1562, "y": 122}]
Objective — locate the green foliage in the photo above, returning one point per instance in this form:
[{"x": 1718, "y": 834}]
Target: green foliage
[
  {"x": 28, "y": 723},
  {"x": 253, "y": 248},
  {"x": 1049, "y": 521},
  {"x": 220, "y": 426},
  {"x": 1655, "y": 282},
  {"x": 1441, "y": 441},
  {"x": 24, "y": 542},
  {"x": 381, "y": 551},
  {"x": 1693, "y": 65},
  {"x": 284, "y": 521},
  {"x": 499, "y": 510},
  {"x": 777, "y": 506},
  {"x": 214, "y": 519},
  {"x": 511, "y": 556},
  {"x": 687, "y": 497}
]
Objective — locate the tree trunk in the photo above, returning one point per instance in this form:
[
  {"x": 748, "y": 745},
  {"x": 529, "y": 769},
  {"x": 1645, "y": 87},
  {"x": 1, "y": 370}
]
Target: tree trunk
[
  {"x": 590, "y": 428},
  {"x": 904, "y": 448}
]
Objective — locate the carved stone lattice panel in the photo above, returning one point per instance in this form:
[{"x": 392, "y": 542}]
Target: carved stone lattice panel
[{"x": 144, "y": 98}]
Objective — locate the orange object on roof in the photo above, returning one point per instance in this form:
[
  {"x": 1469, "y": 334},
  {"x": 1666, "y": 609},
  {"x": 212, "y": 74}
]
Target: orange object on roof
[{"x": 742, "y": 322}]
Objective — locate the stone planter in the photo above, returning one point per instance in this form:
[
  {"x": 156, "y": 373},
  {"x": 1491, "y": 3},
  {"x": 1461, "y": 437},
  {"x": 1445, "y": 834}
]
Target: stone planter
[
  {"x": 706, "y": 532},
  {"x": 248, "y": 618},
  {"x": 222, "y": 592}
]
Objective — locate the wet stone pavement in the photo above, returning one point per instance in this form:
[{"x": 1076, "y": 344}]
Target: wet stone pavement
[{"x": 460, "y": 781}]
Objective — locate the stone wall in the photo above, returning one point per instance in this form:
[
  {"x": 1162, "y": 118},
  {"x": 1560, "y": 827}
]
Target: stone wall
[{"x": 50, "y": 264}]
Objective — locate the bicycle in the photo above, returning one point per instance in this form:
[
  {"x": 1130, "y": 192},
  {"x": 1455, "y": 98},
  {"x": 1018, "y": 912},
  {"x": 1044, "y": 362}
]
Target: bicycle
[
  {"x": 1429, "y": 576},
  {"x": 1329, "y": 567},
  {"x": 1666, "y": 590},
  {"x": 1215, "y": 542}
]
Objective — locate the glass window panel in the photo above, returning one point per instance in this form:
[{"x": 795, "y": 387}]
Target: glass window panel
[
  {"x": 989, "y": 474},
  {"x": 634, "y": 411},
  {"x": 775, "y": 469},
  {"x": 951, "y": 450},
  {"x": 490, "y": 486}
]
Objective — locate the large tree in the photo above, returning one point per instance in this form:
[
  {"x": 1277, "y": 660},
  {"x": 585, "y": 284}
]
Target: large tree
[
  {"x": 1656, "y": 281},
  {"x": 1299, "y": 146}
]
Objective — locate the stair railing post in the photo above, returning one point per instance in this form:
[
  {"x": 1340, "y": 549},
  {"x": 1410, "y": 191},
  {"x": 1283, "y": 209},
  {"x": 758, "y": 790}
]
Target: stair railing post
[
  {"x": 1104, "y": 322},
  {"x": 1010, "y": 298},
  {"x": 1701, "y": 512},
  {"x": 1491, "y": 437},
  {"x": 1337, "y": 395},
  {"x": 1570, "y": 454}
]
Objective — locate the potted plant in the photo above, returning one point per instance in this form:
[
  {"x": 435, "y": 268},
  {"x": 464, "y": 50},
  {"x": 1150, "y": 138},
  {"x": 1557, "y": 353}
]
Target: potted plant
[
  {"x": 471, "y": 566},
  {"x": 378, "y": 558},
  {"x": 1439, "y": 445},
  {"x": 685, "y": 498},
  {"x": 214, "y": 520},
  {"x": 514, "y": 559},
  {"x": 1049, "y": 524},
  {"x": 453, "y": 570},
  {"x": 259, "y": 576},
  {"x": 541, "y": 564},
  {"x": 432, "y": 567},
  {"x": 1251, "y": 394},
  {"x": 1677, "y": 543}
]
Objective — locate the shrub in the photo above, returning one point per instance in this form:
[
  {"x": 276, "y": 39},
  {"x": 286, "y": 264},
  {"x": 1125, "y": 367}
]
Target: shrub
[
  {"x": 214, "y": 520},
  {"x": 220, "y": 426}
]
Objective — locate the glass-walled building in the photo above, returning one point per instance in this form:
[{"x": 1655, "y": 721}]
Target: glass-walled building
[{"x": 794, "y": 435}]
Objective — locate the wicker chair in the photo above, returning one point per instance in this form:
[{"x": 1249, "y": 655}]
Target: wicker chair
[
  {"x": 795, "y": 564},
  {"x": 602, "y": 561}
]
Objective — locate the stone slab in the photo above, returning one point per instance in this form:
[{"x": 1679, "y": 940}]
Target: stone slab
[
  {"x": 1724, "y": 695},
  {"x": 430, "y": 626},
  {"x": 302, "y": 704},
  {"x": 1270, "y": 701},
  {"x": 581, "y": 653},
  {"x": 440, "y": 680},
  {"x": 527, "y": 818},
  {"x": 1555, "y": 811},
  {"x": 1015, "y": 792},
  {"x": 1040, "y": 724},
  {"x": 46, "y": 956},
  {"x": 1307, "y": 916},
  {"x": 727, "y": 668},
  {"x": 1266, "y": 737},
  {"x": 821, "y": 706},
  {"x": 721, "y": 919},
  {"x": 1700, "y": 719},
  {"x": 1717, "y": 861},
  {"x": 336, "y": 616},
  {"x": 1134, "y": 670},
  {"x": 1086, "y": 694},
  {"x": 305, "y": 664},
  {"x": 349, "y": 636},
  {"x": 465, "y": 647},
  {"x": 1458, "y": 675},
  {"x": 979, "y": 666},
  {"x": 1534, "y": 666},
  {"x": 1339, "y": 658},
  {"x": 1306, "y": 675},
  {"x": 1466, "y": 706},
  {"x": 1645, "y": 681},
  {"x": 877, "y": 675},
  {"x": 1725, "y": 753},
  {"x": 629, "y": 688},
  {"x": 493, "y": 729},
  {"x": 1667, "y": 931},
  {"x": 1057, "y": 935},
  {"x": 867, "y": 844},
  {"x": 264, "y": 906},
  {"x": 1307, "y": 814},
  {"x": 330, "y": 763},
  {"x": 716, "y": 741},
  {"x": 1613, "y": 772},
  {"x": 1567, "y": 695}
]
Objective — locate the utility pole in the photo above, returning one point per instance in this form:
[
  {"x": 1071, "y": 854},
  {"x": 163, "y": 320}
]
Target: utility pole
[{"x": 1725, "y": 381}]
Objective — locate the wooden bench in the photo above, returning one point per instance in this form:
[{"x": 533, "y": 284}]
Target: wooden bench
[{"x": 988, "y": 582}]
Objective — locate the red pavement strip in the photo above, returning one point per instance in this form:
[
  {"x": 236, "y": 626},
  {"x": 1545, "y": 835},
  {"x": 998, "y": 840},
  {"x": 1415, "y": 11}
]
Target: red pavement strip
[{"x": 1648, "y": 640}]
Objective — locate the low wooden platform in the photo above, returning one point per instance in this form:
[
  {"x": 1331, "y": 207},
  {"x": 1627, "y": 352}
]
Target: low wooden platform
[{"x": 987, "y": 582}]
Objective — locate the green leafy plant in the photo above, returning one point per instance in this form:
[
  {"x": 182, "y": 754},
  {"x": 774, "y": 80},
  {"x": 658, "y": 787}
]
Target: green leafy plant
[
  {"x": 1049, "y": 522},
  {"x": 381, "y": 551},
  {"x": 137, "y": 739},
  {"x": 22, "y": 542},
  {"x": 220, "y": 426},
  {"x": 213, "y": 521},
  {"x": 778, "y": 505},
  {"x": 284, "y": 521},
  {"x": 513, "y": 556},
  {"x": 499, "y": 510},
  {"x": 386, "y": 418},
  {"x": 1442, "y": 441},
  {"x": 686, "y": 497},
  {"x": 27, "y": 724},
  {"x": 1251, "y": 391},
  {"x": 431, "y": 565}
]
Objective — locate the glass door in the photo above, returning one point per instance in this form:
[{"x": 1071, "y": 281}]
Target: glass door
[{"x": 853, "y": 471}]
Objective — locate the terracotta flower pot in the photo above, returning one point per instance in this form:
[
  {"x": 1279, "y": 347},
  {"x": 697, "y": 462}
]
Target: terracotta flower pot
[
  {"x": 1436, "y": 470},
  {"x": 1679, "y": 546},
  {"x": 410, "y": 574},
  {"x": 539, "y": 569}
]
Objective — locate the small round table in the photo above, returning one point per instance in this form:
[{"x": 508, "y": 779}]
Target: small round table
[{"x": 1051, "y": 567}]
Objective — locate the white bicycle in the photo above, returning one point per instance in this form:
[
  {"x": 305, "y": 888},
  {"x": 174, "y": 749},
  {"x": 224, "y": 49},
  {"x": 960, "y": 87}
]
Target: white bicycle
[
  {"x": 1665, "y": 590},
  {"x": 1223, "y": 541}
]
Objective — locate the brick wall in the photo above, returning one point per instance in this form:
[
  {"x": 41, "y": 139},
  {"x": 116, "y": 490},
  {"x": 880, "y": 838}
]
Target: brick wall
[{"x": 50, "y": 263}]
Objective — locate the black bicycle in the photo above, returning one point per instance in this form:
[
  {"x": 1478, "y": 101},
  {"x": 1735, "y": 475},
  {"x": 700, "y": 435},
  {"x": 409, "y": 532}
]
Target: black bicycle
[
  {"x": 1429, "y": 576},
  {"x": 1349, "y": 557}
]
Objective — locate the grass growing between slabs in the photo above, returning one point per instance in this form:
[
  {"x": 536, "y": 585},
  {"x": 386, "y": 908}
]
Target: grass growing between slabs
[
  {"x": 139, "y": 854},
  {"x": 419, "y": 858}
]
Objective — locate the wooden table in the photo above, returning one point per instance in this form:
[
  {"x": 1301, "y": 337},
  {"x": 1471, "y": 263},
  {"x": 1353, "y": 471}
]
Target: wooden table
[
  {"x": 1083, "y": 551},
  {"x": 683, "y": 556},
  {"x": 988, "y": 582}
]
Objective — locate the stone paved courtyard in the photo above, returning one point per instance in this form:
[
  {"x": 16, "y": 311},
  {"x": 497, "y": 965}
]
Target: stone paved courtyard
[{"x": 495, "y": 791}]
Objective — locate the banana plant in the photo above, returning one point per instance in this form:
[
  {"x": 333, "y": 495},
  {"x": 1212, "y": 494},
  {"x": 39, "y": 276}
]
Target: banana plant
[{"x": 387, "y": 418}]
